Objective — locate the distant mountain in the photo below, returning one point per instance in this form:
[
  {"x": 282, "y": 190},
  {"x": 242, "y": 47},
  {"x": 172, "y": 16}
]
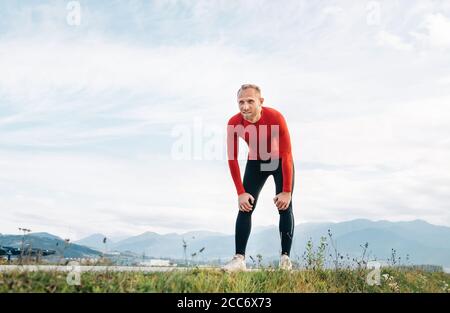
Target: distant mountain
[
  {"x": 45, "y": 235},
  {"x": 95, "y": 241},
  {"x": 200, "y": 234},
  {"x": 424, "y": 243},
  {"x": 154, "y": 244},
  {"x": 48, "y": 241}
]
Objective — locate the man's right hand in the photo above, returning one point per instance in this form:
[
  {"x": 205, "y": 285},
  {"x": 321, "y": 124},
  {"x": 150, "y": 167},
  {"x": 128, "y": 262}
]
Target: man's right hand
[{"x": 244, "y": 202}]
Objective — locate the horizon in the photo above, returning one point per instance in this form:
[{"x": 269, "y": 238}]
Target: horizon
[{"x": 126, "y": 236}]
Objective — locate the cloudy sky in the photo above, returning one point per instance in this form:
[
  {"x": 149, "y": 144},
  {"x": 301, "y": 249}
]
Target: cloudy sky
[{"x": 113, "y": 116}]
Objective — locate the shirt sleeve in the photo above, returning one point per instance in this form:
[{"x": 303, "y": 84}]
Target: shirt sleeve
[
  {"x": 286, "y": 155},
  {"x": 232, "y": 153}
]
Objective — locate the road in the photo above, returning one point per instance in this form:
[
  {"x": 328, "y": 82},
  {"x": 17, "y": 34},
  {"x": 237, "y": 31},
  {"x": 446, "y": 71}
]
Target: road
[{"x": 86, "y": 268}]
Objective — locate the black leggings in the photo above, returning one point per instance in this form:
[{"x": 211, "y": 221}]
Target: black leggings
[{"x": 254, "y": 180}]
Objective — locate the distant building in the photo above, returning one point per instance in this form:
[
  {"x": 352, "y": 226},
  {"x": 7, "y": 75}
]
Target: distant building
[
  {"x": 112, "y": 253},
  {"x": 157, "y": 262}
]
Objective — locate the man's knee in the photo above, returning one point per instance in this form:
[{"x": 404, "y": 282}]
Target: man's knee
[
  {"x": 287, "y": 211},
  {"x": 245, "y": 215}
]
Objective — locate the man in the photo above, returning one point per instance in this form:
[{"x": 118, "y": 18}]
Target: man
[{"x": 265, "y": 131}]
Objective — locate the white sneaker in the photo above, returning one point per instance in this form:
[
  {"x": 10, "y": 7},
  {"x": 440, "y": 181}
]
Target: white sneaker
[
  {"x": 285, "y": 263},
  {"x": 236, "y": 264}
]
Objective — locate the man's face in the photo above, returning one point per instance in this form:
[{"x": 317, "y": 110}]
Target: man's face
[{"x": 249, "y": 103}]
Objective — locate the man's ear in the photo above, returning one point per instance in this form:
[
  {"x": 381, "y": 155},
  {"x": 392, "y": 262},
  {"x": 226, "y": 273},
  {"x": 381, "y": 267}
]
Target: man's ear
[{"x": 261, "y": 100}]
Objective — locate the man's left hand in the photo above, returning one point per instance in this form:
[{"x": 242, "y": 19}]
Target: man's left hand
[{"x": 282, "y": 200}]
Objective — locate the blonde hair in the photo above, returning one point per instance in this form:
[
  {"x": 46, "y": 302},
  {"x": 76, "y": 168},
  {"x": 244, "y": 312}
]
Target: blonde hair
[{"x": 246, "y": 86}]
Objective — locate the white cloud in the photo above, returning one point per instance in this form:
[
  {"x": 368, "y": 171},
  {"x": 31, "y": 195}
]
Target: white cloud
[
  {"x": 77, "y": 194},
  {"x": 444, "y": 80},
  {"x": 386, "y": 38},
  {"x": 433, "y": 31},
  {"x": 333, "y": 10}
]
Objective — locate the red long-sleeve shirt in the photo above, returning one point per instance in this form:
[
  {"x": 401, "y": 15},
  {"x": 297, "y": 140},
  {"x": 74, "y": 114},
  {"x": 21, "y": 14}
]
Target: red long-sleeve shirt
[{"x": 277, "y": 144}]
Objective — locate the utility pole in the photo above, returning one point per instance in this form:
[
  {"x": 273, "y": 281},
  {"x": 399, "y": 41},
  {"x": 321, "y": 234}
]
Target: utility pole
[
  {"x": 105, "y": 249},
  {"x": 184, "y": 249},
  {"x": 25, "y": 231}
]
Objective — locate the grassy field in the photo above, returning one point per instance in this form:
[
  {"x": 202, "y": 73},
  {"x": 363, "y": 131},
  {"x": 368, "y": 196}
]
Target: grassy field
[{"x": 200, "y": 280}]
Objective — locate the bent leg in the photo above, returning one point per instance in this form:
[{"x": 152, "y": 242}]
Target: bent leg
[
  {"x": 286, "y": 225},
  {"x": 253, "y": 182}
]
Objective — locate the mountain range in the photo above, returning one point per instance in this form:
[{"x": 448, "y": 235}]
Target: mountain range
[
  {"x": 417, "y": 241},
  {"x": 48, "y": 241}
]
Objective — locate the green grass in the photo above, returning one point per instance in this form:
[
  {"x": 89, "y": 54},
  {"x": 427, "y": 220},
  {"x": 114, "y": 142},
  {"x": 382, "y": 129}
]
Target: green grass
[{"x": 200, "y": 280}]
